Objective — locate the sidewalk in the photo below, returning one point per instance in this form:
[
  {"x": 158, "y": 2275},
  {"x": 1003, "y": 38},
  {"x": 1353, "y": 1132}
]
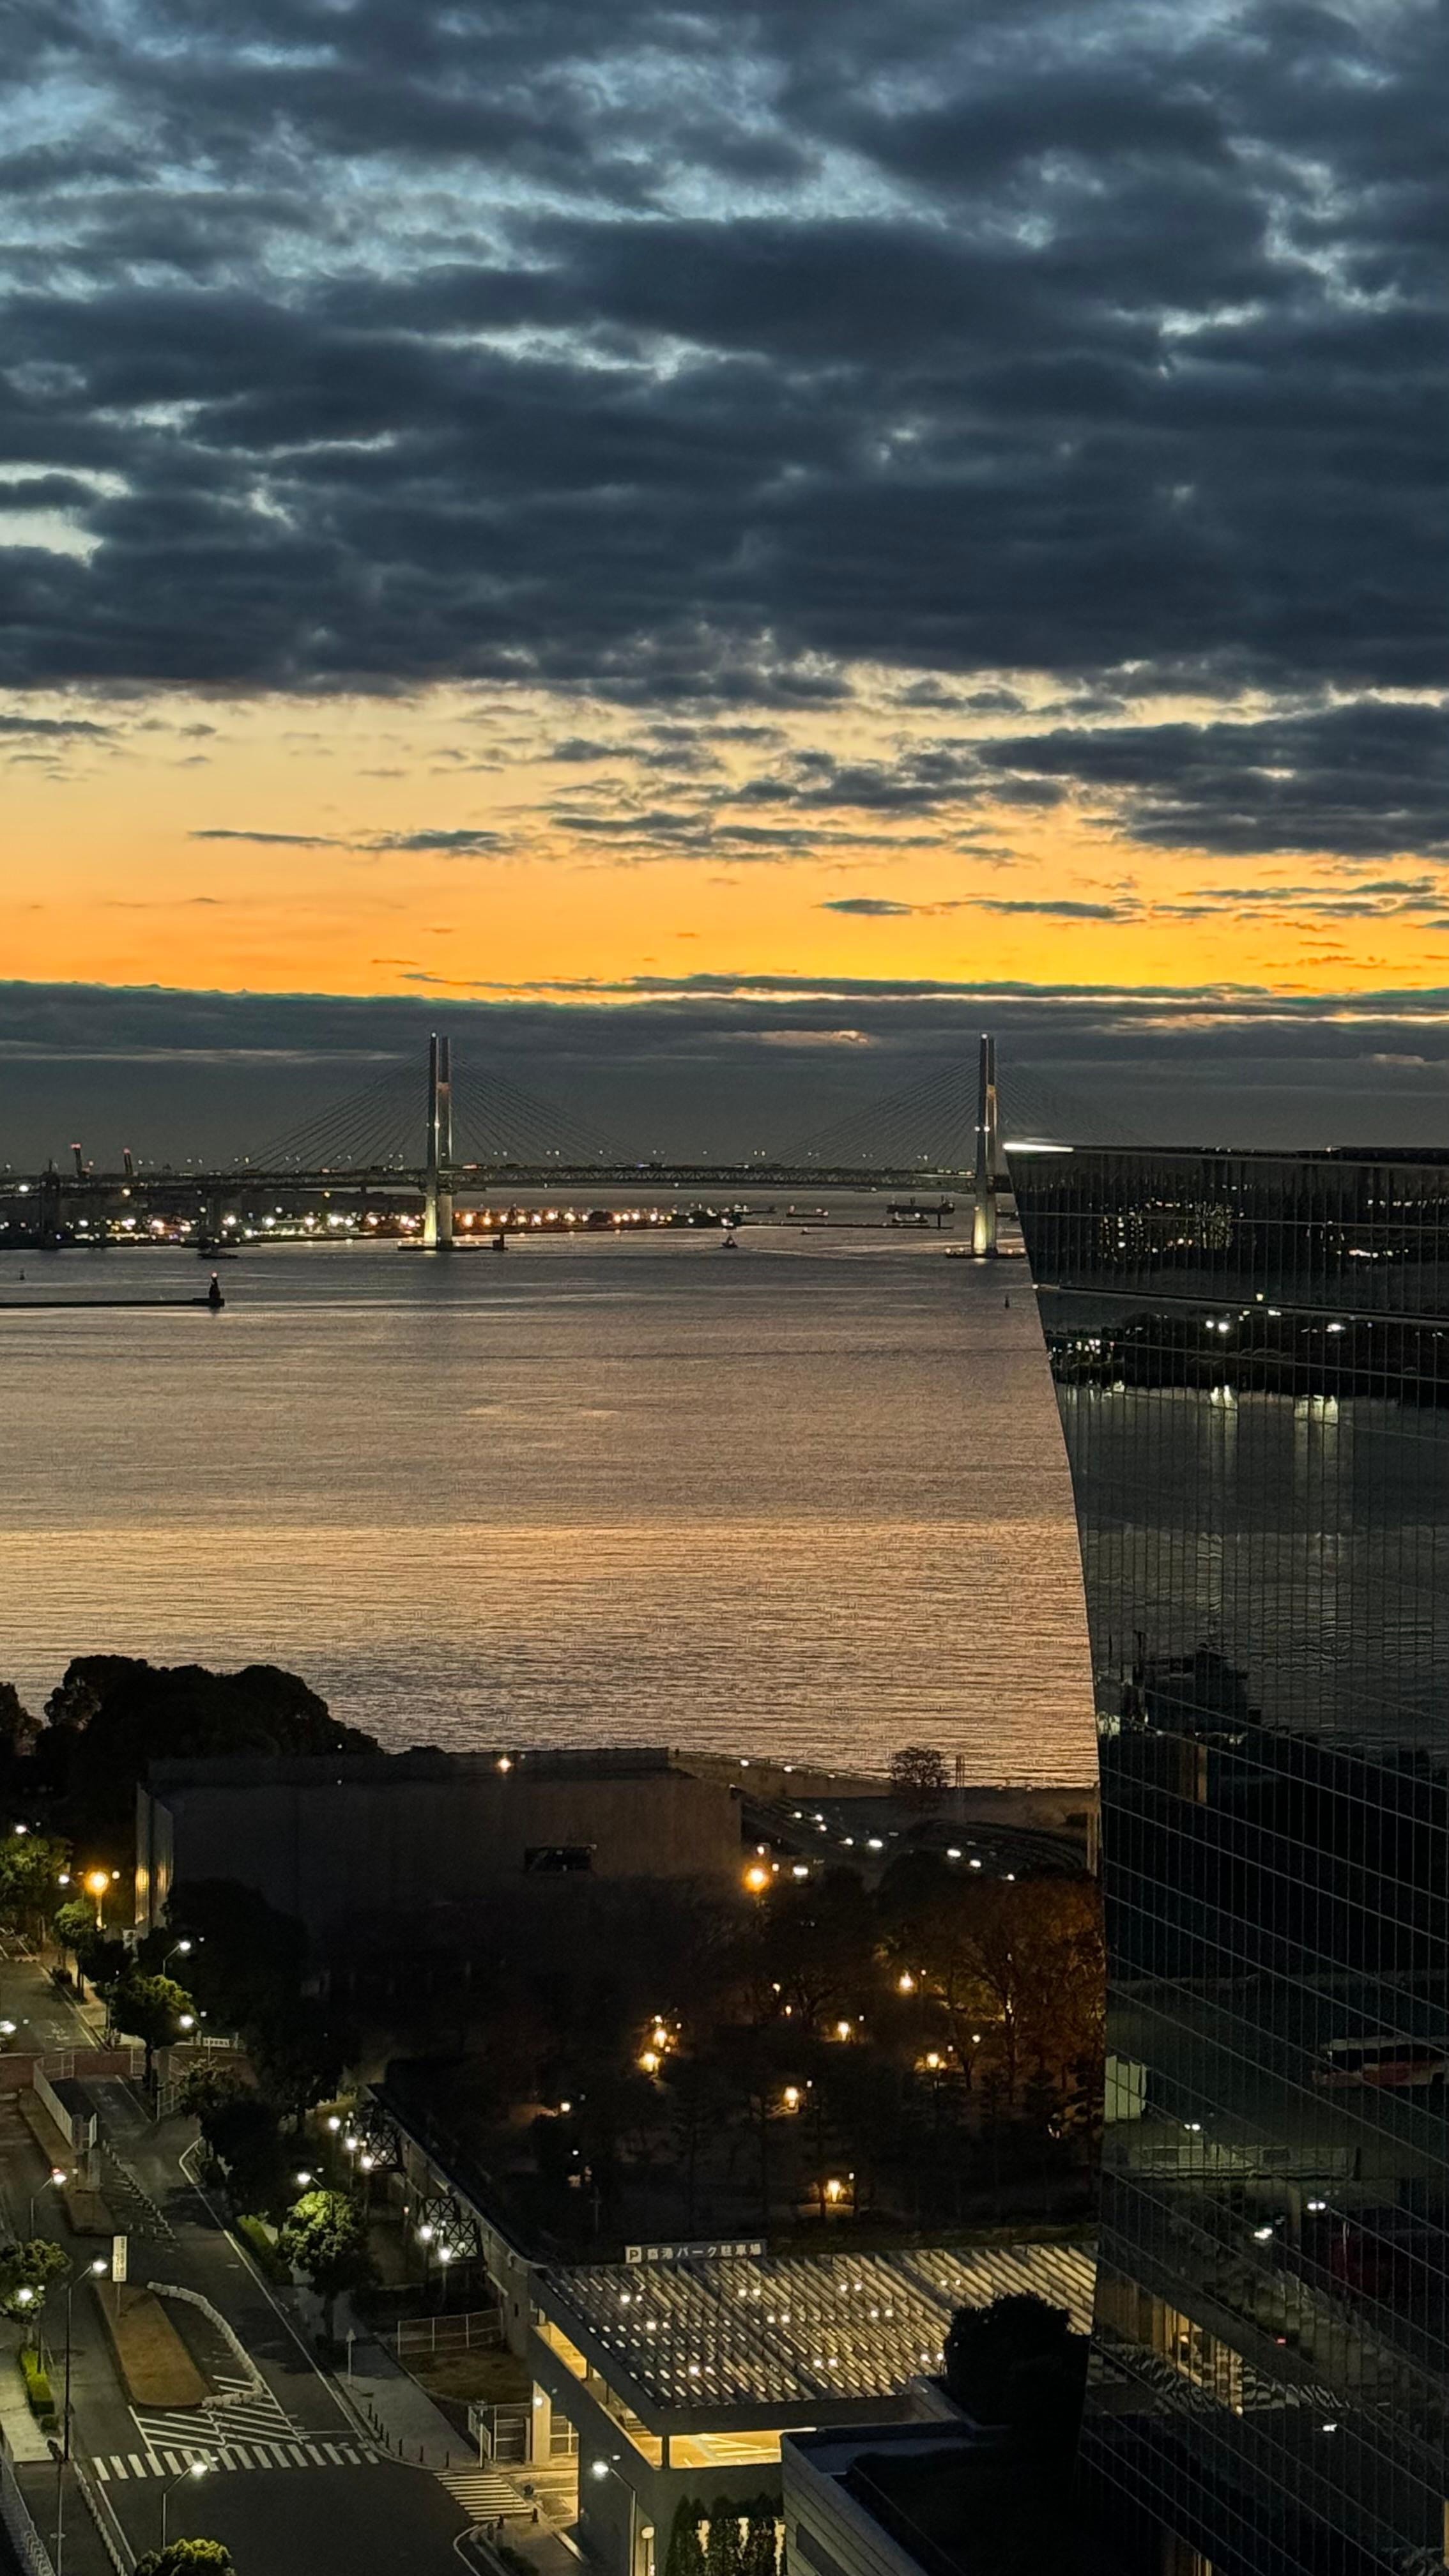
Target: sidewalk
[
  {"x": 399, "y": 2416},
  {"x": 23, "y": 2436},
  {"x": 85, "y": 2553}
]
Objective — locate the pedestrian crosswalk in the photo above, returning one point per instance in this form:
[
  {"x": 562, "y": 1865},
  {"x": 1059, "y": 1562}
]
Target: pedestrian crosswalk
[
  {"x": 308, "y": 2451},
  {"x": 244, "y": 2426},
  {"x": 484, "y": 2494},
  {"x": 527, "y": 2493}
]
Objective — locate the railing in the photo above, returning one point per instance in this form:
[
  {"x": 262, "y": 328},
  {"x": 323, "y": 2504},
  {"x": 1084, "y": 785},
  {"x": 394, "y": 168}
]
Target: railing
[
  {"x": 24, "y": 2539},
  {"x": 481, "y": 2329}
]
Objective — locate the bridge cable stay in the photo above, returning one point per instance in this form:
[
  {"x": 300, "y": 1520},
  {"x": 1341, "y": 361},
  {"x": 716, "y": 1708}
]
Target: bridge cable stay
[
  {"x": 929, "y": 1122},
  {"x": 368, "y": 1126},
  {"x": 496, "y": 1121},
  {"x": 1035, "y": 1110}
]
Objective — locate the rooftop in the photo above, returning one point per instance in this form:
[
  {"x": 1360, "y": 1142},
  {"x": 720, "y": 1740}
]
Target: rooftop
[{"x": 789, "y": 2338}]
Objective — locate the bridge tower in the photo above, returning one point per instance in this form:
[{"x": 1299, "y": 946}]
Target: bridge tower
[
  {"x": 983, "y": 1227},
  {"x": 438, "y": 1186}
]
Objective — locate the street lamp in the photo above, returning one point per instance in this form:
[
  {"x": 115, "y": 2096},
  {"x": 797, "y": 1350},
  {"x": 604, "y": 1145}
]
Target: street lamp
[
  {"x": 193, "y": 2469},
  {"x": 602, "y": 2469},
  {"x": 178, "y": 1950},
  {"x": 53, "y": 2181},
  {"x": 97, "y": 1884},
  {"x": 93, "y": 2271}
]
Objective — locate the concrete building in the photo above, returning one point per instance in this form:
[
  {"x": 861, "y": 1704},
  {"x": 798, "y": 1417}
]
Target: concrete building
[
  {"x": 681, "y": 2376},
  {"x": 840, "y": 2518},
  {"x": 331, "y": 1838}
]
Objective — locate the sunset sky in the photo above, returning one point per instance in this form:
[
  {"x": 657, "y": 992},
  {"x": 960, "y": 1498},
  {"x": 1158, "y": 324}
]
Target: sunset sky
[{"x": 723, "y": 549}]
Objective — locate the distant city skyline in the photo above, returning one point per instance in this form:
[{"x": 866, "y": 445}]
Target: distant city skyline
[{"x": 726, "y": 543}]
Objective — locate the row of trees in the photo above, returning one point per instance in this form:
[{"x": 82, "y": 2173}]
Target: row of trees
[
  {"x": 723, "y": 2539},
  {"x": 321, "y": 2233},
  {"x": 927, "y": 2045}
]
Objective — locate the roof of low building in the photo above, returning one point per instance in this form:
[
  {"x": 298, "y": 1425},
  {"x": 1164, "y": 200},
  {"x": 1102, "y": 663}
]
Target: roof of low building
[{"x": 791, "y": 2335}]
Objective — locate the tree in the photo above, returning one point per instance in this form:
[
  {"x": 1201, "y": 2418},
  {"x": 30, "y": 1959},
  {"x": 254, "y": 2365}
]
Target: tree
[
  {"x": 96, "y": 1956},
  {"x": 30, "y": 1871},
  {"x": 685, "y": 2555},
  {"x": 918, "y": 1774},
  {"x": 154, "y": 2010},
  {"x": 247, "y": 1959},
  {"x": 244, "y": 2134},
  {"x": 26, "y": 2272},
  {"x": 323, "y": 2236},
  {"x": 1022, "y": 1957},
  {"x": 1017, "y": 2362},
  {"x": 722, "y": 2548},
  {"x": 188, "y": 2558},
  {"x": 18, "y": 1729},
  {"x": 299, "y": 2055},
  {"x": 208, "y": 2085},
  {"x": 761, "y": 2551},
  {"x": 817, "y": 1946}
]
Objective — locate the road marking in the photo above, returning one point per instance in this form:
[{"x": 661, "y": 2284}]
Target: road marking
[{"x": 235, "y": 2456}]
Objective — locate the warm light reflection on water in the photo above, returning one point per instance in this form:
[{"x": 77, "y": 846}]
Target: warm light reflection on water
[{"x": 810, "y": 1499}]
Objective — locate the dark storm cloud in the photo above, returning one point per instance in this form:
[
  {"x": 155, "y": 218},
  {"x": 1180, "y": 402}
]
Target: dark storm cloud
[
  {"x": 728, "y": 1062},
  {"x": 693, "y": 356},
  {"x": 1367, "y": 779}
]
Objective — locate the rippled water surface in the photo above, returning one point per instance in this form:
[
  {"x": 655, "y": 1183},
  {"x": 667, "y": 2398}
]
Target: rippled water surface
[{"x": 810, "y": 1498}]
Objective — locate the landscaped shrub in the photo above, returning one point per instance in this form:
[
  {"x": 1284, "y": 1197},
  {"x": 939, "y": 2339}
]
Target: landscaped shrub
[
  {"x": 38, "y": 2390},
  {"x": 254, "y": 2235}
]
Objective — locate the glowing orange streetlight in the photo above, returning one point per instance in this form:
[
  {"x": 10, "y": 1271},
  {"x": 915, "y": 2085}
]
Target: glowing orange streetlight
[{"x": 97, "y": 1884}]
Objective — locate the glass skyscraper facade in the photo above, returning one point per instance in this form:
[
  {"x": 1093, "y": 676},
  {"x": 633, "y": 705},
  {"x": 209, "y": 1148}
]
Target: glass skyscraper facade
[{"x": 1251, "y": 1356}]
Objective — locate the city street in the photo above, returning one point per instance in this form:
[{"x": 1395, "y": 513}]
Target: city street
[{"x": 297, "y": 2483}]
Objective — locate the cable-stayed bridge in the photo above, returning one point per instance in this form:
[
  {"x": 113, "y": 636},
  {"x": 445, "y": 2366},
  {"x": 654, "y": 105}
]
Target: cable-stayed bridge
[{"x": 428, "y": 1139}]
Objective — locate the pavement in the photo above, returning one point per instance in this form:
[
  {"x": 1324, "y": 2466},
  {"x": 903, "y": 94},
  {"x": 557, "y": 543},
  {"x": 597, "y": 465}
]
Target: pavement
[{"x": 302, "y": 2479}]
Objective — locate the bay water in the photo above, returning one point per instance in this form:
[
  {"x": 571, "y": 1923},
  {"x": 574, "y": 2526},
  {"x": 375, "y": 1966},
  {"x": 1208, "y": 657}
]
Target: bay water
[{"x": 808, "y": 1499}]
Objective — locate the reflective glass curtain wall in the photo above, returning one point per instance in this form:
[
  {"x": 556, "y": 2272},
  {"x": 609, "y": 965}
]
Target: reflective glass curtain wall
[{"x": 1251, "y": 1355}]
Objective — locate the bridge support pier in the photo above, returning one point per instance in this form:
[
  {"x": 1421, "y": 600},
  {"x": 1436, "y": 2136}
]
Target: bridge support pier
[
  {"x": 983, "y": 1222},
  {"x": 438, "y": 1181}
]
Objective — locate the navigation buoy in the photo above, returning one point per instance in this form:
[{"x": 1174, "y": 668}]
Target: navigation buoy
[{"x": 214, "y": 1297}]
